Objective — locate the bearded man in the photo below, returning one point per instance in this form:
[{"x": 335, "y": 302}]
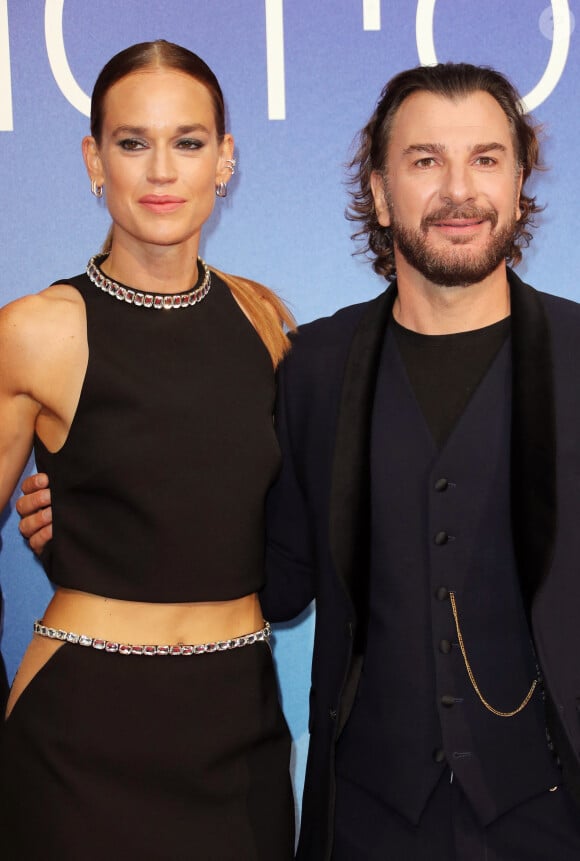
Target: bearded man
[{"x": 429, "y": 501}]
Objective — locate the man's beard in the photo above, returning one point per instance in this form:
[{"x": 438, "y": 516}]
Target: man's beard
[{"x": 454, "y": 266}]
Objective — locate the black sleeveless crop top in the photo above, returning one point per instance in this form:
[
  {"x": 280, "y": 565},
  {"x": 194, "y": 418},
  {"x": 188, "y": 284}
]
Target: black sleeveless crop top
[{"x": 158, "y": 492}]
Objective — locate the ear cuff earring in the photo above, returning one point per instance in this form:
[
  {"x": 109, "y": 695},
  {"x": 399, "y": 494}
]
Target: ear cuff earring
[{"x": 221, "y": 188}]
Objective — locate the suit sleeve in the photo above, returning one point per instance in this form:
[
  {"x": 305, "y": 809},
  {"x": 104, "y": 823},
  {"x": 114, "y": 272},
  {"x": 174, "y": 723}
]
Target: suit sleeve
[
  {"x": 3, "y": 679},
  {"x": 289, "y": 555}
]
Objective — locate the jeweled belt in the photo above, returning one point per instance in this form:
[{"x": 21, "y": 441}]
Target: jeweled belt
[{"x": 179, "y": 649}]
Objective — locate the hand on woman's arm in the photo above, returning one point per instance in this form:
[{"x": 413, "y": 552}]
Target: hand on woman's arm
[{"x": 35, "y": 511}]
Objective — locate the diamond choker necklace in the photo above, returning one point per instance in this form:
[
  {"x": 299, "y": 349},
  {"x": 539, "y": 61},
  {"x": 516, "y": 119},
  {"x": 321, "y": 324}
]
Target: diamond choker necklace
[{"x": 147, "y": 300}]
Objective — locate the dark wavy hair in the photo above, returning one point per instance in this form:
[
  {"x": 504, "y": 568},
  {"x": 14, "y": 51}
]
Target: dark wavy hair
[{"x": 452, "y": 81}]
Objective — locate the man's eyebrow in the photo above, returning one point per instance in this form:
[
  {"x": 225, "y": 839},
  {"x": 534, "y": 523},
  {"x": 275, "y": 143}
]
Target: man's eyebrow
[
  {"x": 431, "y": 148},
  {"x": 438, "y": 149},
  {"x": 489, "y": 147}
]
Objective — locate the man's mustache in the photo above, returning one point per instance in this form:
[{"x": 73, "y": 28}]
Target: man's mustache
[{"x": 459, "y": 213}]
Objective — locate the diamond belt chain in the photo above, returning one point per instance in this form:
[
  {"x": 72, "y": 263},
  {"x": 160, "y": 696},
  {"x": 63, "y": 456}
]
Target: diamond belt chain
[
  {"x": 179, "y": 649},
  {"x": 489, "y": 707}
]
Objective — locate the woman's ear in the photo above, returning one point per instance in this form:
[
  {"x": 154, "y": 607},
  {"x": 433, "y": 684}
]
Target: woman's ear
[
  {"x": 226, "y": 161},
  {"x": 92, "y": 160}
]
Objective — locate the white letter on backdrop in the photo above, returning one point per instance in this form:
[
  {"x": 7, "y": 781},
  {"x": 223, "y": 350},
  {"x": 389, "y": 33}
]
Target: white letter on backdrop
[
  {"x": 6, "y": 118},
  {"x": 55, "y": 49},
  {"x": 275, "y": 60},
  {"x": 552, "y": 72},
  {"x": 371, "y": 14}
]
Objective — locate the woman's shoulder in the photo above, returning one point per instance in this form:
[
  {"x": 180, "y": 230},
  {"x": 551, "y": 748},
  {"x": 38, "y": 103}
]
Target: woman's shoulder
[{"x": 41, "y": 319}]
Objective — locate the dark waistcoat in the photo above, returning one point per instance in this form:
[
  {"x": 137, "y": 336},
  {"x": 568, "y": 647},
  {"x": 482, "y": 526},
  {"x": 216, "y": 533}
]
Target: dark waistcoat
[{"x": 441, "y": 522}]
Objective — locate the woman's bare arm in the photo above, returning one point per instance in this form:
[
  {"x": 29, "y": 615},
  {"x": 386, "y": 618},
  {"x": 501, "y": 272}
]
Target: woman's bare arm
[
  {"x": 43, "y": 355},
  {"x": 18, "y": 408}
]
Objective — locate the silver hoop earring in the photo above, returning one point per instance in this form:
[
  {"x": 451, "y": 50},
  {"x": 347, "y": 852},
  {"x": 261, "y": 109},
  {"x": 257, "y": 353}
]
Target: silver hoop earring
[
  {"x": 231, "y": 165},
  {"x": 221, "y": 189},
  {"x": 97, "y": 190}
]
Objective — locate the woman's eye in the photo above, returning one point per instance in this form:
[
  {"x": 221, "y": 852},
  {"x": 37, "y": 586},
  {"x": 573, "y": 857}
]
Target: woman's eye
[
  {"x": 189, "y": 143},
  {"x": 131, "y": 144}
]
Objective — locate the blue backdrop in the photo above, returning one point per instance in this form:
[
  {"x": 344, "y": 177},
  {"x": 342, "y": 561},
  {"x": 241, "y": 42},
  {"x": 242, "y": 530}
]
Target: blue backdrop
[{"x": 300, "y": 78}]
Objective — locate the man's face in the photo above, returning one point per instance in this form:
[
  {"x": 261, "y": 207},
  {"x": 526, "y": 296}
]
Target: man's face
[{"x": 451, "y": 190}]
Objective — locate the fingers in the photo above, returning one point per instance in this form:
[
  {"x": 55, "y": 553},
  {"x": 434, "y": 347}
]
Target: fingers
[
  {"x": 34, "y": 482},
  {"x": 37, "y": 527},
  {"x": 35, "y": 511},
  {"x": 35, "y": 522},
  {"x": 30, "y": 505},
  {"x": 39, "y": 539}
]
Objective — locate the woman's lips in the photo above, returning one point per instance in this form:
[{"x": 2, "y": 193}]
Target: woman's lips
[{"x": 161, "y": 202}]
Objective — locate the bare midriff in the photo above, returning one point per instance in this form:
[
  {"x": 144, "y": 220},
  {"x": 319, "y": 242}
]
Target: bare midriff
[
  {"x": 137, "y": 623},
  {"x": 145, "y": 623}
]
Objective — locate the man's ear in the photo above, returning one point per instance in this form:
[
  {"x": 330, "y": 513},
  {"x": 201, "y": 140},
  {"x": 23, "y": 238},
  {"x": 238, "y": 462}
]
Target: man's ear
[
  {"x": 519, "y": 183},
  {"x": 379, "y": 190}
]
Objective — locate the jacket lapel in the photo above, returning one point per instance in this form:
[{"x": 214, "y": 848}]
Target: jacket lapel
[
  {"x": 350, "y": 493},
  {"x": 534, "y": 514}
]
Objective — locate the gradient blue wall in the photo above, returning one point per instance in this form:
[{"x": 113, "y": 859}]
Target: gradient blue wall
[{"x": 300, "y": 78}]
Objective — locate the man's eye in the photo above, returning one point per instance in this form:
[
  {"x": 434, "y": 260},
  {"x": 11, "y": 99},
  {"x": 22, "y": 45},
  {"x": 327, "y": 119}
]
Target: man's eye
[{"x": 428, "y": 161}]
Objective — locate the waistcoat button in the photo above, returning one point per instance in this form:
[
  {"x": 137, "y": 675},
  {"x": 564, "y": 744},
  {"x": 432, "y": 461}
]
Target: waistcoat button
[
  {"x": 442, "y": 593},
  {"x": 441, "y": 484},
  {"x": 439, "y": 755},
  {"x": 447, "y": 700},
  {"x": 441, "y": 538},
  {"x": 445, "y": 647}
]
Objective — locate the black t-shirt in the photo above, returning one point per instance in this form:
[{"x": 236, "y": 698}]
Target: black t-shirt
[{"x": 445, "y": 370}]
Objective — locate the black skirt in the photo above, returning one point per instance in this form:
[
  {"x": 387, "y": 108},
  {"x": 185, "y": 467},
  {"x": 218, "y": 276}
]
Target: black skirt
[{"x": 106, "y": 756}]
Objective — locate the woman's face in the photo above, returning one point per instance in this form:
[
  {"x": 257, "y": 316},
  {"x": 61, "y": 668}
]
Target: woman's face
[{"x": 159, "y": 157}]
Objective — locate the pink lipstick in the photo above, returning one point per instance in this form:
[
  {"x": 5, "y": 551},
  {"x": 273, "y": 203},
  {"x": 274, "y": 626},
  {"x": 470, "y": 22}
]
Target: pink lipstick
[{"x": 161, "y": 203}]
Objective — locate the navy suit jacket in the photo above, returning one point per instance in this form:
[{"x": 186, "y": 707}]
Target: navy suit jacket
[{"x": 318, "y": 514}]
